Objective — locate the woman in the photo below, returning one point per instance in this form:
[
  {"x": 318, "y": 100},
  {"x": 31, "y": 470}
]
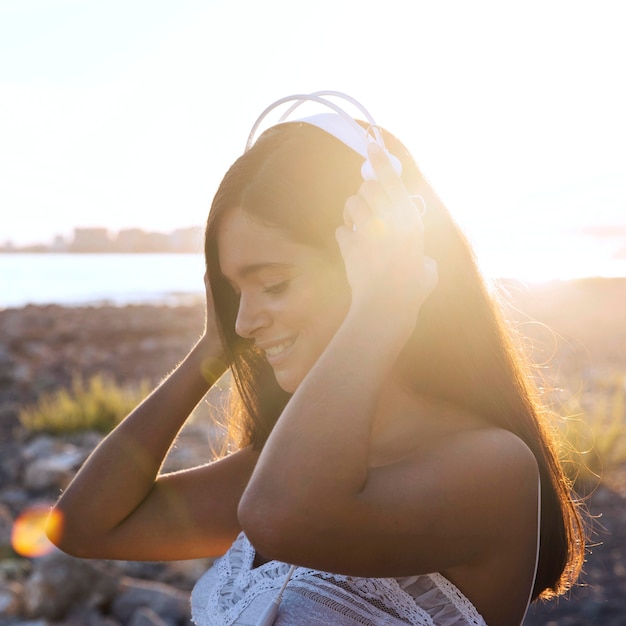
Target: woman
[{"x": 390, "y": 447}]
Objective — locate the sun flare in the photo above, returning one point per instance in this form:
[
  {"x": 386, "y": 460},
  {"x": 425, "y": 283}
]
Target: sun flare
[{"x": 32, "y": 529}]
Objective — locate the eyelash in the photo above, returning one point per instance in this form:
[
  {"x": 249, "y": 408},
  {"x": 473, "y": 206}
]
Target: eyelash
[{"x": 276, "y": 288}]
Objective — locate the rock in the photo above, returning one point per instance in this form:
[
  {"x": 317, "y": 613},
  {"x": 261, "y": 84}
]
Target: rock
[
  {"x": 11, "y": 594},
  {"x": 6, "y": 525},
  {"x": 146, "y": 617},
  {"x": 59, "y": 582},
  {"x": 81, "y": 616},
  {"x": 87, "y": 440},
  {"x": 12, "y": 462},
  {"x": 15, "y": 497},
  {"x": 40, "y": 446},
  {"x": 170, "y": 604},
  {"x": 55, "y": 470},
  {"x": 21, "y": 622},
  {"x": 149, "y": 345},
  {"x": 14, "y": 569},
  {"x": 7, "y": 368}
]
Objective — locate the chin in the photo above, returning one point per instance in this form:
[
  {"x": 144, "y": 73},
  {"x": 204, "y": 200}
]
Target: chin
[
  {"x": 287, "y": 382},
  {"x": 288, "y": 387}
]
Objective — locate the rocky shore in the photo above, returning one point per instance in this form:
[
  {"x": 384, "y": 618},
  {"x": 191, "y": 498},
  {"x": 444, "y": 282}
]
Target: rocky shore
[{"x": 42, "y": 348}]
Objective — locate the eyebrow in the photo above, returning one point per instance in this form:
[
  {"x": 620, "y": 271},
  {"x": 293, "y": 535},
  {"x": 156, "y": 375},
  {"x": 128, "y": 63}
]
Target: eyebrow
[{"x": 254, "y": 268}]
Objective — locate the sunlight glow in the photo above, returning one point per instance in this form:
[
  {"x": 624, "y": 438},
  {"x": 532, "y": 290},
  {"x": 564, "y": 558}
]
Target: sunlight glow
[
  {"x": 513, "y": 111},
  {"x": 29, "y": 537}
]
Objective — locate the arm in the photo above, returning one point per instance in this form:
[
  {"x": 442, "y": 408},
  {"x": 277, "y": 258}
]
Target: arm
[
  {"x": 313, "y": 499},
  {"x": 118, "y": 506}
]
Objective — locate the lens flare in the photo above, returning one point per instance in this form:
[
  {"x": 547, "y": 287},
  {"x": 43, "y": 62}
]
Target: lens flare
[{"x": 31, "y": 529}]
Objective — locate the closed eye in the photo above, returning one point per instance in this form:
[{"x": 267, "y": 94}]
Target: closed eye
[{"x": 276, "y": 288}]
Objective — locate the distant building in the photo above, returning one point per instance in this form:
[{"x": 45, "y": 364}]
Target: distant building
[
  {"x": 187, "y": 239},
  {"x": 91, "y": 240},
  {"x": 59, "y": 244},
  {"x": 138, "y": 240},
  {"x": 130, "y": 240},
  {"x": 155, "y": 242}
]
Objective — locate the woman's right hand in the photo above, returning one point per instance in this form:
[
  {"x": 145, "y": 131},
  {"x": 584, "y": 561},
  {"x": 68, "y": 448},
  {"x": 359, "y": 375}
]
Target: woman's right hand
[
  {"x": 382, "y": 244},
  {"x": 211, "y": 340}
]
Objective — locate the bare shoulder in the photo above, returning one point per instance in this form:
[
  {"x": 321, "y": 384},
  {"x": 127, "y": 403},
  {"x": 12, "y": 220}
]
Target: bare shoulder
[
  {"x": 497, "y": 487},
  {"x": 492, "y": 448},
  {"x": 489, "y": 463},
  {"x": 493, "y": 478},
  {"x": 472, "y": 474}
]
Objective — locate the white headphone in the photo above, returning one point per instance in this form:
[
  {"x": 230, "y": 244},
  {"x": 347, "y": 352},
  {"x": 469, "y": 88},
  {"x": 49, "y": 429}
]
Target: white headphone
[{"x": 338, "y": 124}]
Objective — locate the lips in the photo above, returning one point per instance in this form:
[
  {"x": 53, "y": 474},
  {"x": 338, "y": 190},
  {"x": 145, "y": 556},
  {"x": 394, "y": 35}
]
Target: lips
[{"x": 275, "y": 351}]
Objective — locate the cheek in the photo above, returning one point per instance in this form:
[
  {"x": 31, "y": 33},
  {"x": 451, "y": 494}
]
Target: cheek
[
  {"x": 339, "y": 296},
  {"x": 320, "y": 306},
  {"x": 331, "y": 308}
]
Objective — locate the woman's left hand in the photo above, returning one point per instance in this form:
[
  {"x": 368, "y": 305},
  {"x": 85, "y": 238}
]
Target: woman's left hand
[{"x": 382, "y": 245}]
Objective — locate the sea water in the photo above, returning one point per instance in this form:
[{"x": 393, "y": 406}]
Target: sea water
[{"x": 119, "y": 279}]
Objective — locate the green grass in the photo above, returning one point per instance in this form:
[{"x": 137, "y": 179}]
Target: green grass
[
  {"x": 593, "y": 432},
  {"x": 591, "y": 435},
  {"x": 96, "y": 404}
]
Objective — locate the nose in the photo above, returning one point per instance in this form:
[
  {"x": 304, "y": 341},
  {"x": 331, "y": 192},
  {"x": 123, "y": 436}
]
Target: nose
[{"x": 251, "y": 316}]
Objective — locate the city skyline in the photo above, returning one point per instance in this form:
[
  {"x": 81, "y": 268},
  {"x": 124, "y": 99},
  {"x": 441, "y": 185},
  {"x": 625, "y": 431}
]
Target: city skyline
[{"x": 102, "y": 239}]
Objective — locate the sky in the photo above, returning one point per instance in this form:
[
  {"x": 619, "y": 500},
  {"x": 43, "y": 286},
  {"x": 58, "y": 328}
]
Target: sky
[{"x": 127, "y": 113}]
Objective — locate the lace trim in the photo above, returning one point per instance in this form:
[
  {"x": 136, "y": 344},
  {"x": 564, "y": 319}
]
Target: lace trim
[
  {"x": 335, "y": 606},
  {"x": 234, "y": 584},
  {"x": 345, "y": 603},
  {"x": 387, "y": 591},
  {"x": 235, "y": 590},
  {"x": 461, "y": 603}
]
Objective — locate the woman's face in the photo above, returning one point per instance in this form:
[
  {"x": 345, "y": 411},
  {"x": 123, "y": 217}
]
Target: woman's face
[{"x": 292, "y": 298}]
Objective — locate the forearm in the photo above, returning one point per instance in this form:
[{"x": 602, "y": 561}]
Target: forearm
[
  {"x": 122, "y": 470},
  {"x": 316, "y": 459}
]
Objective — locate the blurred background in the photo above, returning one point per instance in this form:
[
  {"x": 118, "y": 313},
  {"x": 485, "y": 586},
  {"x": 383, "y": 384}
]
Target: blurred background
[
  {"x": 124, "y": 115},
  {"x": 118, "y": 120}
]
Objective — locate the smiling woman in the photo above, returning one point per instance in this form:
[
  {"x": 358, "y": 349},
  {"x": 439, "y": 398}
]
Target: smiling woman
[
  {"x": 291, "y": 297},
  {"x": 391, "y": 463}
]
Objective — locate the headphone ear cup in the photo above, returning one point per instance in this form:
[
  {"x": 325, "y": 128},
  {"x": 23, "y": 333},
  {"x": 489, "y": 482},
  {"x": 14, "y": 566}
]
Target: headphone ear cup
[{"x": 367, "y": 171}]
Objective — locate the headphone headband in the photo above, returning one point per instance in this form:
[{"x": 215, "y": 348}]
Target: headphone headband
[
  {"x": 339, "y": 123},
  {"x": 350, "y": 131}
]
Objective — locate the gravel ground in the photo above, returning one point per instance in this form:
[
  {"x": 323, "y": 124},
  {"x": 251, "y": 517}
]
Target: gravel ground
[{"x": 42, "y": 347}]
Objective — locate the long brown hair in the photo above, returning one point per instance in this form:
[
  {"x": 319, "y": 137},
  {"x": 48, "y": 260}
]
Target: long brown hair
[{"x": 296, "y": 178}]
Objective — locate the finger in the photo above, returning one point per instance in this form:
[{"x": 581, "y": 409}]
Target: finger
[
  {"x": 356, "y": 212},
  {"x": 343, "y": 235},
  {"x": 408, "y": 209},
  {"x": 385, "y": 173},
  {"x": 373, "y": 194}
]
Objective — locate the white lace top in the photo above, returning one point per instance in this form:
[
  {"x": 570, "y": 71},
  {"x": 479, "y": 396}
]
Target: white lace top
[{"x": 234, "y": 592}]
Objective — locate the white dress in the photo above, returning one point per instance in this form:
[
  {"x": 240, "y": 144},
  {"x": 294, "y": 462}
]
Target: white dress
[{"x": 234, "y": 592}]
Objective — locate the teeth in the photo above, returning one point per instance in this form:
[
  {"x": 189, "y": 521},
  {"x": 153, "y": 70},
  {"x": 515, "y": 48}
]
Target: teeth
[{"x": 276, "y": 350}]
